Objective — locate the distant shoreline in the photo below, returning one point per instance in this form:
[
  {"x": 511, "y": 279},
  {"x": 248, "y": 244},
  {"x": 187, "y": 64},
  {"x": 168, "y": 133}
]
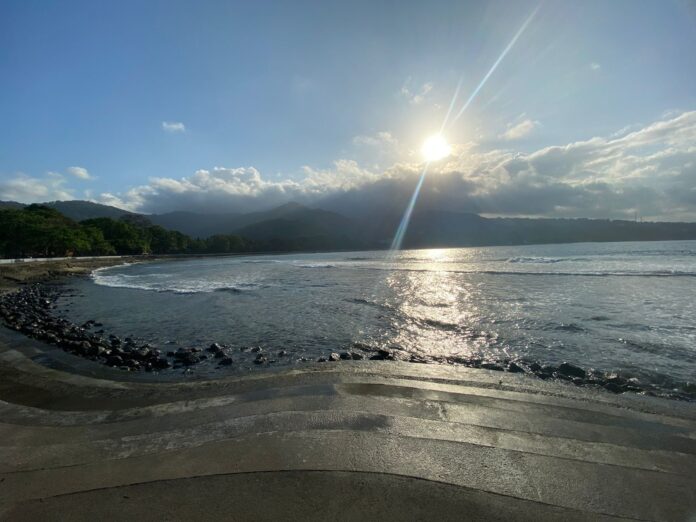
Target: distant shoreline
[{"x": 14, "y": 275}]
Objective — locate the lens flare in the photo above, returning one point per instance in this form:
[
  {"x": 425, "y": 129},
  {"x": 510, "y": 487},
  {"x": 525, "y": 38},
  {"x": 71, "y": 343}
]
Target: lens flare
[
  {"x": 436, "y": 147},
  {"x": 497, "y": 62}
]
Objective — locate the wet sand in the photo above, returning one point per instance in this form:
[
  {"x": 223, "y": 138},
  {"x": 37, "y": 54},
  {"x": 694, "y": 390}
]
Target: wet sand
[{"x": 14, "y": 275}]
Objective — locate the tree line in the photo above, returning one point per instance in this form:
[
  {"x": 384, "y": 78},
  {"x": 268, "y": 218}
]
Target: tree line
[{"x": 39, "y": 231}]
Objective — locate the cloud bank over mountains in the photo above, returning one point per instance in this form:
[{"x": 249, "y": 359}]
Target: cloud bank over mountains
[{"x": 650, "y": 171}]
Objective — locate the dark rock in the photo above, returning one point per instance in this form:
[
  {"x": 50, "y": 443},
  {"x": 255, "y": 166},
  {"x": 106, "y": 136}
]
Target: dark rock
[
  {"x": 143, "y": 353},
  {"x": 515, "y": 368},
  {"x": 282, "y": 353},
  {"x": 333, "y": 357},
  {"x": 260, "y": 359},
  {"x": 97, "y": 351},
  {"x": 190, "y": 359},
  {"x": 321, "y": 359},
  {"x": 382, "y": 355},
  {"x": 615, "y": 379},
  {"x": 570, "y": 370},
  {"x": 160, "y": 363},
  {"x": 214, "y": 348},
  {"x": 186, "y": 356},
  {"x": 613, "y": 387},
  {"x": 225, "y": 361},
  {"x": 492, "y": 366},
  {"x": 114, "y": 360}
]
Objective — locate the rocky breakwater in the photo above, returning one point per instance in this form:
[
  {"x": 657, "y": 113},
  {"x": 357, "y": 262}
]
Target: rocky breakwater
[
  {"x": 568, "y": 372},
  {"x": 29, "y": 311}
]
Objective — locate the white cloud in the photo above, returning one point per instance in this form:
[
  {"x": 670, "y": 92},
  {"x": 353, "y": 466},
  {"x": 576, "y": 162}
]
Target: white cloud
[
  {"x": 78, "y": 172},
  {"x": 516, "y": 131},
  {"x": 345, "y": 175},
  {"x": 173, "y": 126},
  {"x": 379, "y": 139},
  {"x": 595, "y": 66},
  {"x": 651, "y": 170},
  {"x": 238, "y": 189},
  {"x": 418, "y": 95},
  {"x": 28, "y": 189}
]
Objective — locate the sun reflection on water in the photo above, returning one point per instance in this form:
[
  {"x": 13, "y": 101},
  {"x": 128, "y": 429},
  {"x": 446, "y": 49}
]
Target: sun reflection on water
[{"x": 434, "y": 311}]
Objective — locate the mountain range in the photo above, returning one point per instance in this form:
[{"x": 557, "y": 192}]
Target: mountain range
[{"x": 428, "y": 228}]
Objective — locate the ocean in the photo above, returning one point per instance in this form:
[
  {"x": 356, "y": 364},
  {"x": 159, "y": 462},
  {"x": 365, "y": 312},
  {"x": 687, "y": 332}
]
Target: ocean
[{"x": 615, "y": 307}]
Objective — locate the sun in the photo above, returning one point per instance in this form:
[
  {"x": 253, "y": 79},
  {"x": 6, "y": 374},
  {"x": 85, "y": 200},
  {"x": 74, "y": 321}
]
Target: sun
[{"x": 435, "y": 148}]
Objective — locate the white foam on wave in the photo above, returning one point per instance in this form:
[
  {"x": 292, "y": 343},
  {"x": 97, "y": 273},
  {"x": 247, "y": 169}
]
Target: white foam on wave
[
  {"x": 315, "y": 265},
  {"x": 541, "y": 260},
  {"x": 260, "y": 261},
  {"x": 166, "y": 283}
]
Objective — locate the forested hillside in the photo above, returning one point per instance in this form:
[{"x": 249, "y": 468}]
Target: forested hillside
[{"x": 39, "y": 231}]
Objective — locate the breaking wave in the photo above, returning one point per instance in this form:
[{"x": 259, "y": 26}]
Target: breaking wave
[{"x": 166, "y": 283}]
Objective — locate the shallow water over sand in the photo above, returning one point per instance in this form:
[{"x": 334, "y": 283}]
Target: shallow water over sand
[{"x": 627, "y": 307}]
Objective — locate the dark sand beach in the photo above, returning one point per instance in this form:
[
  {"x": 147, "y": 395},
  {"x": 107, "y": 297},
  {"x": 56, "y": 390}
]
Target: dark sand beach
[{"x": 14, "y": 275}]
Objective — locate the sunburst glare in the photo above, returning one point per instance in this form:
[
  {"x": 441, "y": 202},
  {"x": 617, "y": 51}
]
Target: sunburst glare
[{"x": 435, "y": 148}]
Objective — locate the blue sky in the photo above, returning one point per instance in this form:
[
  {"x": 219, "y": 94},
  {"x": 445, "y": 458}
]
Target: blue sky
[{"x": 162, "y": 105}]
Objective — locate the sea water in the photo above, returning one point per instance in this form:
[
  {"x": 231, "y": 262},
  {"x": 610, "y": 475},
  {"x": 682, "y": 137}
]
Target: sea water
[{"x": 626, "y": 307}]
